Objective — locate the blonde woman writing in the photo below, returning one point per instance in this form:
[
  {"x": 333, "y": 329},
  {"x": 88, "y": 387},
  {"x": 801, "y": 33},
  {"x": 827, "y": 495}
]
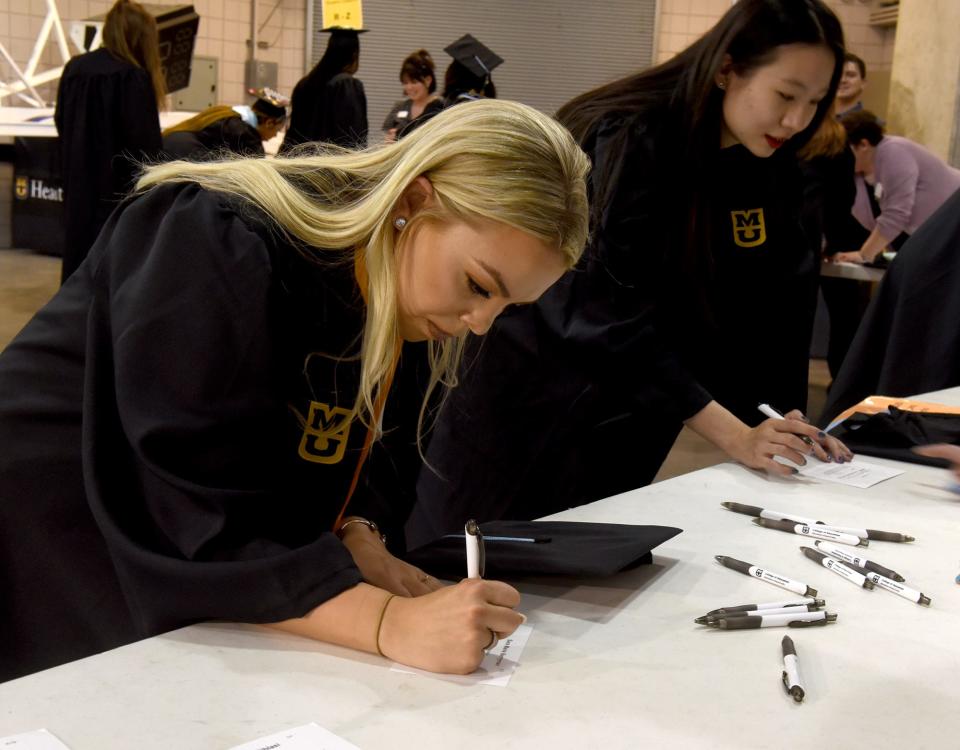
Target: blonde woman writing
[{"x": 186, "y": 424}]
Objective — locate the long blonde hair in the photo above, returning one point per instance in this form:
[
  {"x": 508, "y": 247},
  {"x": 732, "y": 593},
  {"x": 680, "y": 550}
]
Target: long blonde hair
[
  {"x": 130, "y": 33},
  {"x": 495, "y": 160}
]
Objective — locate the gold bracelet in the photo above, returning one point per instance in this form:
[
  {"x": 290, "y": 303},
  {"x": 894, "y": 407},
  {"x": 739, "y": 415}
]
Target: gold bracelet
[
  {"x": 369, "y": 524},
  {"x": 383, "y": 611}
]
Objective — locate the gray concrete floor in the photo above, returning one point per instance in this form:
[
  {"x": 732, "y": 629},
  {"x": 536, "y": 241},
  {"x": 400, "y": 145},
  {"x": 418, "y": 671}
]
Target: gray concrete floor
[{"x": 28, "y": 281}]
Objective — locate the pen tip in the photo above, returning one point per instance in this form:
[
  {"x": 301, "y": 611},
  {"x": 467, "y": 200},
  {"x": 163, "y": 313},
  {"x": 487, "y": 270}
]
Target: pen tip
[
  {"x": 726, "y": 503},
  {"x": 701, "y": 621},
  {"x": 719, "y": 558},
  {"x": 925, "y": 600},
  {"x": 908, "y": 538}
]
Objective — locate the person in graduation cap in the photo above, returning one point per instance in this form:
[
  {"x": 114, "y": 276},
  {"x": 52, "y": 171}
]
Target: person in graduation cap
[
  {"x": 467, "y": 78},
  {"x": 188, "y": 425},
  {"x": 469, "y": 74},
  {"x": 107, "y": 117},
  {"x": 219, "y": 131},
  {"x": 329, "y": 104},
  {"x": 694, "y": 302}
]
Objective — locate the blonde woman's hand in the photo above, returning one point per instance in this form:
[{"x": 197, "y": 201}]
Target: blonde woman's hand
[
  {"x": 449, "y": 630},
  {"x": 380, "y": 568},
  {"x": 943, "y": 450},
  {"x": 784, "y": 438}
]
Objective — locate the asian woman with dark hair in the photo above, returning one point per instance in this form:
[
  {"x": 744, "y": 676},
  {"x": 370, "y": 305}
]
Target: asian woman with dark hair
[{"x": 694, "y": 301}]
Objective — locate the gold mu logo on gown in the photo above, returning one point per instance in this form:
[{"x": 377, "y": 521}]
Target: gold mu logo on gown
[
  {"x": 749, "y": 228},
  {"x": 325, "y": 434}
]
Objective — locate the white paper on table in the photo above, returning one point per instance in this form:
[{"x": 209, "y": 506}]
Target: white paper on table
[
  {"x": 39, "y": 739},
  {"x": 308, "y": 737},
  {"x": 497, "y": 666},
  {"x": 855, "y": 473}
]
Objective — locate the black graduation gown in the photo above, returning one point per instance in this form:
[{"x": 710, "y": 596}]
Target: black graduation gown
[
  {"x": 107, "y": 119},
  {"x": 828, "y": 197},
  {"x": 174, "y": 448},
  {"x": 335, "y": 112},
  {"x": 231, "y": 135},
  {"x": 581, "y": 395},
  {"x": 909, "y": 340}
]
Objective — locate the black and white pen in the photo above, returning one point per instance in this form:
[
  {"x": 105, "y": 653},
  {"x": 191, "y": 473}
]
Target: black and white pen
[
  {"x": 475, "y": 556},
  {"x": 791, "y": 670},
  {"x": 879, "y": 536},
  {"x": 708, "y": 619},
  {"x": 762, "y": 574},
  {"x": 815, "y": 603},
  {"x": 751, "y": 621},
  {"x": 857, "y": 561},
  {"x": 815, "y": 531},
  {"x": 769, "y": 411},
  {"x": 897, "y": 588},
  {"x": 835, "y": 566}
]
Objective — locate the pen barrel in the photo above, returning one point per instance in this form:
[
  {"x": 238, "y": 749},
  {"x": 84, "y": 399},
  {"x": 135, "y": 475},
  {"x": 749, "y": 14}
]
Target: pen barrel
[
  {"x": 857, "y": 561},
  {"x": 791, "y": 672},
  {"x": 723, "y": 613},
  {"x": 813, "y": 531},
  {"x": 797, "y": 587},
  {"x": 747, "y": 510},
  {"x": 835, "y": 566},
  {"x": 781, "y": 515},
  {"x": 734, "y": 564},
  {"x": 761, "y": 606},
  {"x": 897, "y": 588},
  {"x": 746, "y": 622}
]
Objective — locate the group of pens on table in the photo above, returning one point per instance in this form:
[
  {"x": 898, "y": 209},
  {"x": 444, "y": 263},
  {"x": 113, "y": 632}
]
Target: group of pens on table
[{"x": 807, "y": 612}]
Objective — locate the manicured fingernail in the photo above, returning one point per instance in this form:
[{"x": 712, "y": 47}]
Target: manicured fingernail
[
  {"x": 523, "y": 618},
  {"x": 840, "y": 460},
  {"x": 821, "y": 434},
  {"x": 804, "y": 418},
  {"x": 794, "y": 470}
]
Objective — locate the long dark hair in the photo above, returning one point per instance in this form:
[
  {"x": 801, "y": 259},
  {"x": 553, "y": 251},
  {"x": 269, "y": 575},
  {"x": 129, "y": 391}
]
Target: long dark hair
[
  {"x": 342, "y": 53},
  {"x": 130, "y": 33},
  {"x": 683, "y": 90}
]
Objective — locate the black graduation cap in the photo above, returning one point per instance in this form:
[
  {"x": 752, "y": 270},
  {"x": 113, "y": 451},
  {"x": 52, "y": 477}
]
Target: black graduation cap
[
  {"x": 474, "y": 55},
  {"x": 537, "y": 548}
]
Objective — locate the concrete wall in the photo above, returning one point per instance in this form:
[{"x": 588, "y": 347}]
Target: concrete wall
[{"x": 926, "y": 70}]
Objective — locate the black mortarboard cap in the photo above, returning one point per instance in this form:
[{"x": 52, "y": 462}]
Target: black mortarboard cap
[{"x": 474, "y": 55}]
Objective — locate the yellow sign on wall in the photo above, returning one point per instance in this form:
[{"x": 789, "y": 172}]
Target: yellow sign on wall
[{"x": 347, "y": 14}]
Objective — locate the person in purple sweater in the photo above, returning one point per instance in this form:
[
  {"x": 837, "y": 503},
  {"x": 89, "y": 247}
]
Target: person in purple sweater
[{"x": 900, "y": 184}]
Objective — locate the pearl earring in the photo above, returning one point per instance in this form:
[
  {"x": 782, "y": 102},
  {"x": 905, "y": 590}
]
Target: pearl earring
[
  {"x": 721, "y": 84},
  {"x": 399, "y": 222}
]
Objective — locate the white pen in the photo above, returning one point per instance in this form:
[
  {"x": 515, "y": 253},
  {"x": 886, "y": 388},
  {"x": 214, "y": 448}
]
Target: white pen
[
  {"x": 858, "y": 561},
  {"x": 791, "y": 671},
  {"x": 751, "y": 621},
  {"x": 897, "y": 588},
  {"x": 835, "y": 566},
  {"x": 816, "y": 531},
  {"x": 474, "y": 542},
  {"x": 762, "y": 574},
  {"x": 769, "y": 411}
]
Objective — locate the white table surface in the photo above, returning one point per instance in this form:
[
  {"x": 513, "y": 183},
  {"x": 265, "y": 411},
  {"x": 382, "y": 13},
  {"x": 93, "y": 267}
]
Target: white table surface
[
  {"x": 852, "y": 271},
  {"x": 611, "y": 663}
]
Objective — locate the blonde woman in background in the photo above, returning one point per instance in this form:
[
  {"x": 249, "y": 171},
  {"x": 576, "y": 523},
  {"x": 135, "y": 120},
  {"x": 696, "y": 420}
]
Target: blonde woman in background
[
  {"x": 198, "y": 405},
  {"x": 108, "y": 120}
]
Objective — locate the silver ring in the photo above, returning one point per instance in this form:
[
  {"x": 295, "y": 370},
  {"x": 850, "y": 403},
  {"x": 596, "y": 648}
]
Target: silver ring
[{"x": 493, "y": 640}]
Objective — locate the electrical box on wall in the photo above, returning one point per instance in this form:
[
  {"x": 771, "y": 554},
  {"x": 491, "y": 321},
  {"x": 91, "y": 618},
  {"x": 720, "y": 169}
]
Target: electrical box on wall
[
  {"x": 258, "y": 74},
  {"x": 202, "y": 91}
]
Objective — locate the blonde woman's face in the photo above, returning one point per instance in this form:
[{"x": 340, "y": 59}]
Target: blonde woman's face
[{"x": 455, "y": 277}]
